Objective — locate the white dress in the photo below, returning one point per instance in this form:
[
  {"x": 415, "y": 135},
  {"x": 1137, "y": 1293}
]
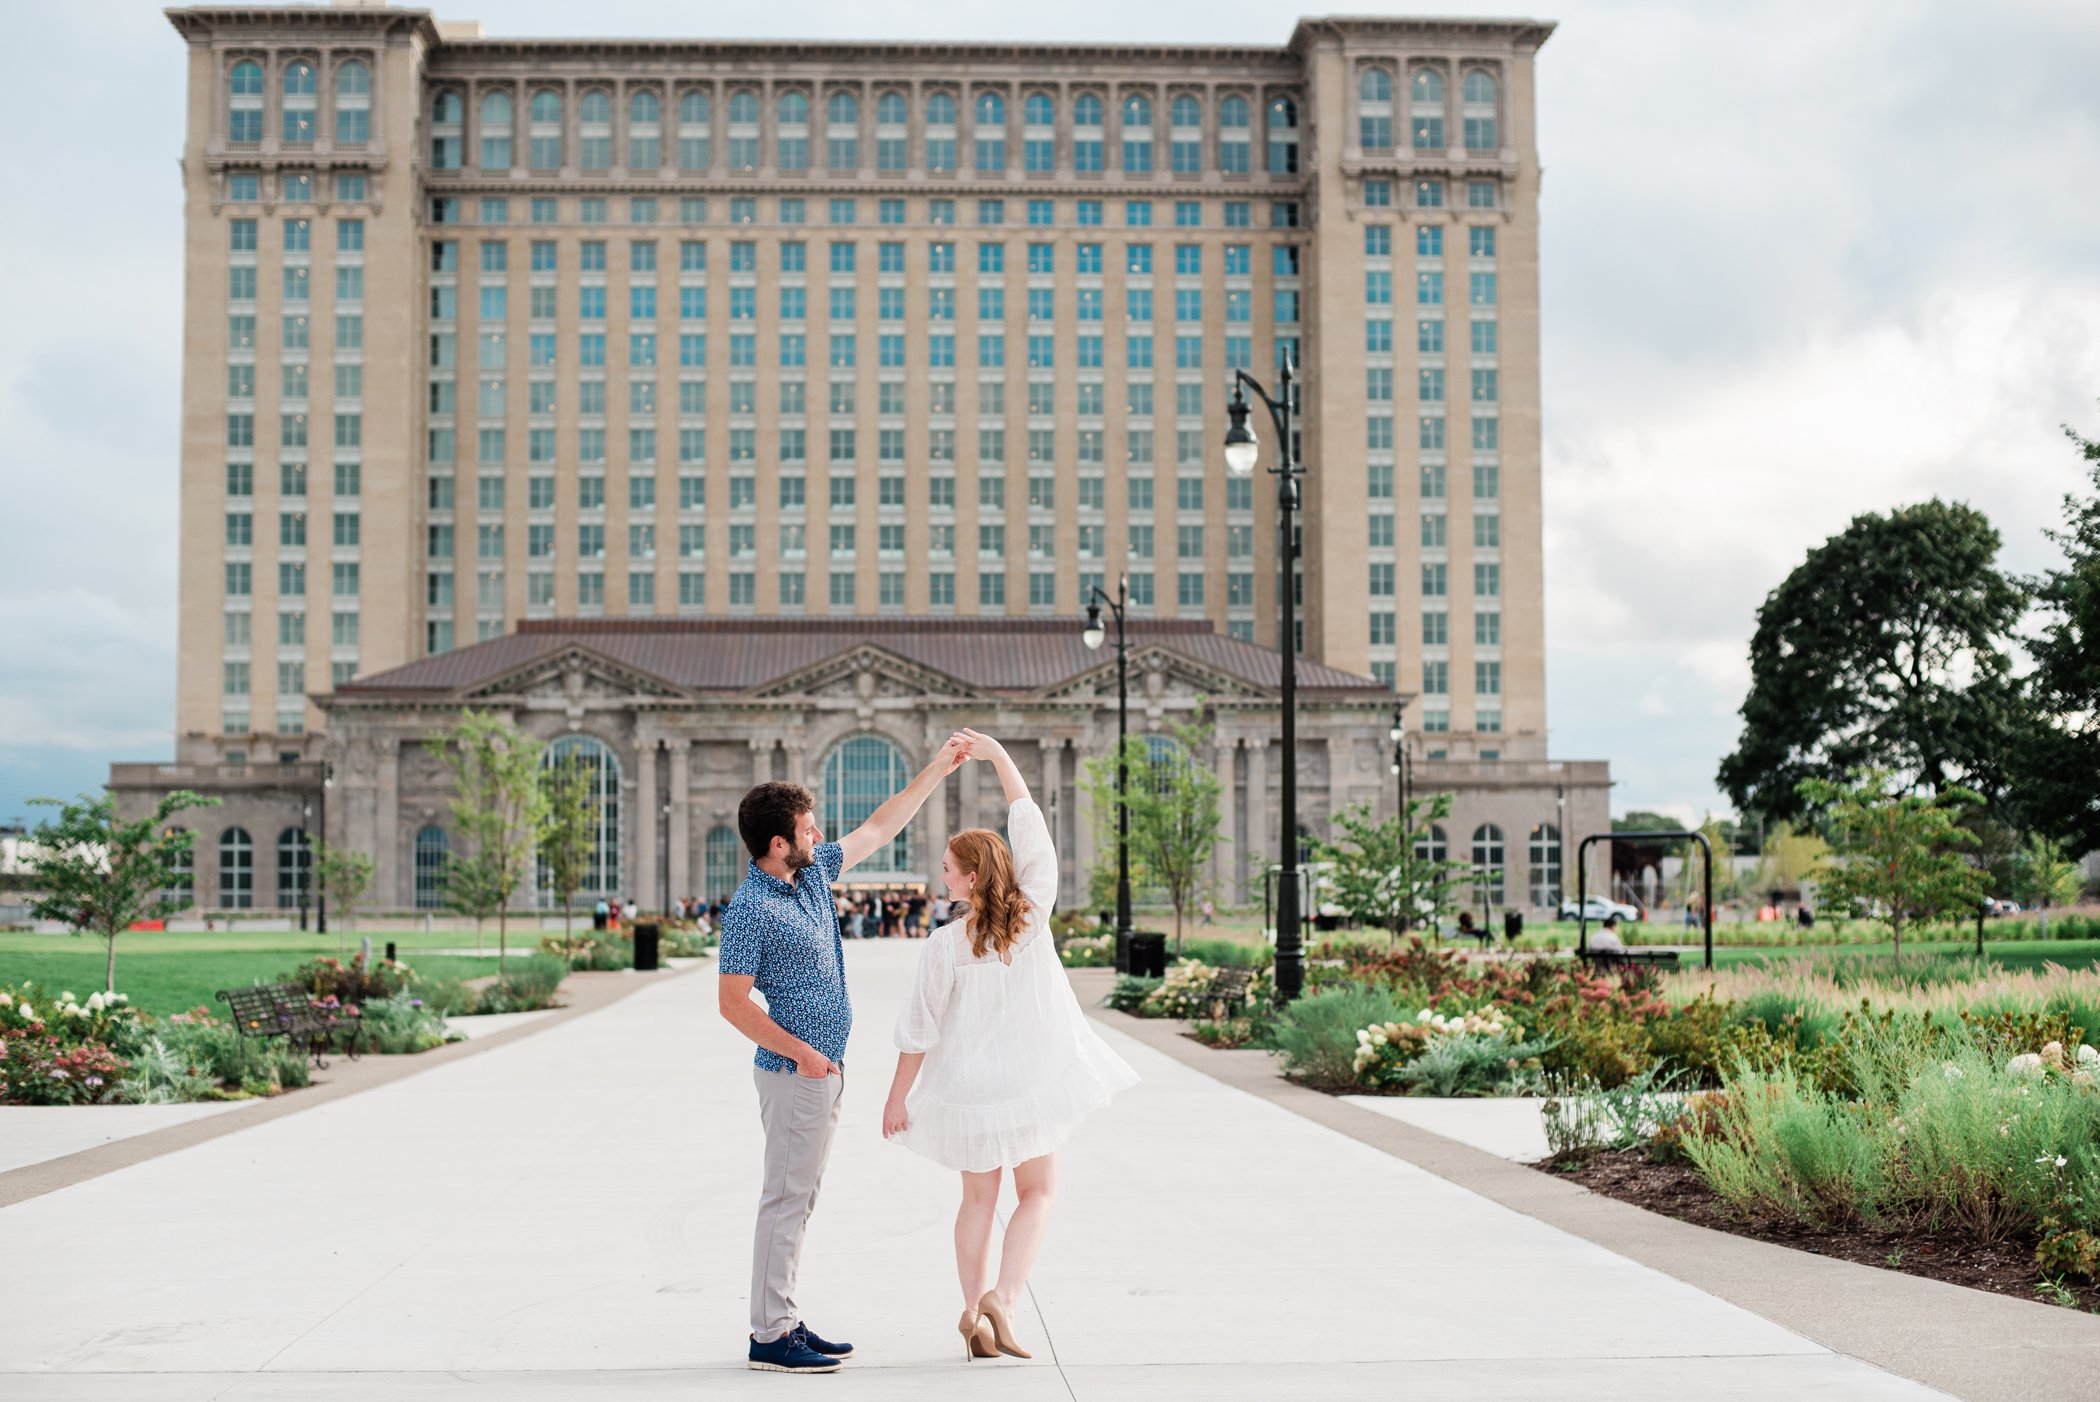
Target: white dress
[{"x": 1012, "y": 1063}]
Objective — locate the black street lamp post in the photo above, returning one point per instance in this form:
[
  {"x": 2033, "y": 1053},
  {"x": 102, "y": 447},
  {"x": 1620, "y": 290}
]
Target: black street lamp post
[
  {"x": 1402, "y": 763},
  {"x": 1094, "y": 636},
  {"x": 321, "y": 850},
  {"x": 1241, "y": 452},
  {"x": 666, "y": 907}
]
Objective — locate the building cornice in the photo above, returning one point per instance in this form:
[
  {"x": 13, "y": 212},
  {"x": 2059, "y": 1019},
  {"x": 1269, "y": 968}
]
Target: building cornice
[
  {"x": 837, "y": 53},
  {"x": 203, "y": 23},
  {"x": 1420, "y": 32}
]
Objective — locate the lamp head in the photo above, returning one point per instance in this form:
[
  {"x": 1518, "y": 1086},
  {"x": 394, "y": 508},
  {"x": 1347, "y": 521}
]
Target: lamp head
[
  {"x": 1094, "y": 635},
  {"x": 1396, "y": 735},
  {"x": 1241, "y": 447}
]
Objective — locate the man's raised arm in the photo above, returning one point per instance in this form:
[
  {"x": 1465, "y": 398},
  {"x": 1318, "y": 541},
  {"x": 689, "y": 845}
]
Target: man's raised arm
[{"x": 887, "y": 821}]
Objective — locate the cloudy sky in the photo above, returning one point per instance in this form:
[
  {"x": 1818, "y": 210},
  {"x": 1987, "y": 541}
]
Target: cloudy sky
[{"x": 1802, "y": 260}]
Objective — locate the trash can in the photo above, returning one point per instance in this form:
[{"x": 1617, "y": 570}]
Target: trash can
[
  {"x": 1512, "y": 925},
  {"x": 648, "y": 936},
  {"x": 1148, "y": 953}
]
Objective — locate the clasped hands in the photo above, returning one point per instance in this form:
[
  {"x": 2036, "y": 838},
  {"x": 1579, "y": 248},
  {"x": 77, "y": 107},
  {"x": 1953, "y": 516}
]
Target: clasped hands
[{"x": 965, "y": 745}]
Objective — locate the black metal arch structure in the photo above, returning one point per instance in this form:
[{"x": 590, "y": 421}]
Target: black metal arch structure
[{"x": 1582, "y": 881}]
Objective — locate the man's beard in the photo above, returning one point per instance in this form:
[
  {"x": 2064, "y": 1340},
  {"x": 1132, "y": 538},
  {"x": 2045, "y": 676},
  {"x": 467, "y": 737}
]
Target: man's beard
[{"x": 801, "y": 857}]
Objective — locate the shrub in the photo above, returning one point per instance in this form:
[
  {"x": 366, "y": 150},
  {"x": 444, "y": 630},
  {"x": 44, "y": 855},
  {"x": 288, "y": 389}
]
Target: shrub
[
  {"x": 402, "y": 1025},
  {"x": 1130, "y": 993},
  {"x": 1580, "y": 1117},
  {"x": 528, "y": 987},
  {"x": 1471, "y": 1065},
  {"x": 1316, "y": 1034},
  {"x": 1088, "y": 951},
  {"x": 353, "y": 982}
]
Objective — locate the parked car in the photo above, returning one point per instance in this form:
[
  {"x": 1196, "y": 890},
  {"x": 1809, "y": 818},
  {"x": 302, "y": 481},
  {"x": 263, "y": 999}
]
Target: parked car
[
  {"x": 1999, "y": 907},
  {"x": 1596, "y": 908}
]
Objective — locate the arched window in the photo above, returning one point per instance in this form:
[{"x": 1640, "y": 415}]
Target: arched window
[
  {"x": 990, "y": 135},
  {"x": 1039, "y": 133},
  {"x": 842, "y": 131},
  {"x": 1040, "y": 110},
  {"x": 1186, "y": 155},
  {"x": 601, "y": 871},
  {"x": 940, "y": 132},
  {"x": 1164, "y": 762},
  {"x": 1235, "y": 136},
  {"x": 1488, "y": 859},
  {"x": 546, "y": 130},
  {"x": 1137, "y": 134},
  {"x": 1481, "y": 127},
  {"x": 1374, "y": 110},
  {"x": 858, "y": 776},
  {"x": 1545, "y": 866},
  {"x": 246, "y": 102},
  {"x": 432, "y": 851},
  {"x": 645, "y": 131},
  {"x": 353, "y": 103},
  {"x": 295, "y": 868},
  {"x": 743, "y": 130},
  {"x": 1425, "y": 110},
  {"x": 791, "y": 140},
  {"x": 236, "y": 869},
  {"x": 1434, "y": 845},
  {"x": 892, "y": 141},
  {"x": 1087, "y": 140},
  {"x": 723, "y": 862},
  {"x": 594, "y": 130},
  {"x": 447, "y": 113},
  {"x": 1283, "y": 137},
  {"x": 181, "y": 891},
  {"x": 694, "y": 145},
  {"x": 301, "y": 102},
  {"x": 495, "y": 131}
]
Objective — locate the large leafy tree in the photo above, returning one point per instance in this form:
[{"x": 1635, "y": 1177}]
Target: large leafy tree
[
  {"x": 1885, "y": 649},
  {"x": 497, "y": 803},
  {"x": 97, "y": 871},
  {"x": 1895, "y": 852},
  {"x": 2060, "y": 774}
]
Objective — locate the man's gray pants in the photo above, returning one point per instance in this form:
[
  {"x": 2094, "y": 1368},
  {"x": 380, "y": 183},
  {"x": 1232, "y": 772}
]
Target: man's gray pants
[{"x": 799, "y": 1114}]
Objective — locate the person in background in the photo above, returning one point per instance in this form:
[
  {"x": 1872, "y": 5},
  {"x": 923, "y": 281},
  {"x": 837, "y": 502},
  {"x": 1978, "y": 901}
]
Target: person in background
[
  {"x": 600, "y": 913},
  {"x": 1607, "y": 939}
]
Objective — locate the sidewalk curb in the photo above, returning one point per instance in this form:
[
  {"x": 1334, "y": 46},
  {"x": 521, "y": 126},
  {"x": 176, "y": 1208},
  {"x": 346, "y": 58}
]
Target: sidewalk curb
[
  {"x": 1968, "y": 1343},
  {"x": 586, "y": 992}
]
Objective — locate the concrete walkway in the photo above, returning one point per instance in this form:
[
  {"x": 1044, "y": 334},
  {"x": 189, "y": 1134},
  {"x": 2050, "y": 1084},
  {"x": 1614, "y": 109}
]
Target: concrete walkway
[{"x": 568, "y": 1216}]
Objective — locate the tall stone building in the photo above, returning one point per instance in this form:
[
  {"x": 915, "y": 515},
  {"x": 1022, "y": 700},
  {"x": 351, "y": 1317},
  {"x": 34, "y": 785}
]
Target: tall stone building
[{"x": 487, "y": 331}]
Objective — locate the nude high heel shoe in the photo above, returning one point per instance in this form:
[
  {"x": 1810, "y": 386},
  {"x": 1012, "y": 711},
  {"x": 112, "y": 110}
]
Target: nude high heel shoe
[
  {"x": 977, "y": 1336},
  {"x": 1002, "y": 1328}
]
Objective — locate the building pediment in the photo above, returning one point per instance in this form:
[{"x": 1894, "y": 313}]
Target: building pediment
[
  {"x": 1157, "y": 671},
  {"x": 577, "y": 675},
  {"x": 865, "y": 673}
]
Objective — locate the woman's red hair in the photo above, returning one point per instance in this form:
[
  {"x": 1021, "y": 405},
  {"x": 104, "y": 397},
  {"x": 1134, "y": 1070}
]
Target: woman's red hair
[{"x": 997, "y": 909}]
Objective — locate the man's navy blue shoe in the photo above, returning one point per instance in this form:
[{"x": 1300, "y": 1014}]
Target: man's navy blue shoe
[
  {"x": 788, "y": 1354},
  {"x": 823, "y": 1346}
]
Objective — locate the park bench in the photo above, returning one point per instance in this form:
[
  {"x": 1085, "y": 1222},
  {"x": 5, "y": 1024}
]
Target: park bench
[
  {"x": 1228, "y": 988},
  {"x": 1630, "y": 958},
  {"x": 286, "y": 1010}
]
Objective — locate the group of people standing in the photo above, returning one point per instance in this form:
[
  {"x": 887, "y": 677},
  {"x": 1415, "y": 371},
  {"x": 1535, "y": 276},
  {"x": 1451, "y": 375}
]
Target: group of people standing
[{"x": 889, "y": 915}]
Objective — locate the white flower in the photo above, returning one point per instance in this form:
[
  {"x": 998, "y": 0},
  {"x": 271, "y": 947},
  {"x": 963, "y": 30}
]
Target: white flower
[
  {"x": 28, "y": 1013},
  {"x": 7, "y": 1000},
  {"x": 2025, "y": 1064},
  {"x": 1953, "y": 1072},
  {"x": 2087, "y": 1055},
  {"x": 66, "y": 998},
  {"x": 95, "y": 1003}
]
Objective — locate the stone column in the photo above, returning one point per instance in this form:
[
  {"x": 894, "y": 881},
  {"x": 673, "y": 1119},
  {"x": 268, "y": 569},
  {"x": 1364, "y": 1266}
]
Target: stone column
[
  {"x": 971, "y": 775},
  {"x": 1262, "y": 851},
  {"x": 647, "y": 824},
  {"x": 681, "y": 854},
  {"x": 386, "y": 848},
  {"x": 1049, "y": 796},
  {"x": 1084, "y": 855},
  {"x": 1225, "y": 856}
]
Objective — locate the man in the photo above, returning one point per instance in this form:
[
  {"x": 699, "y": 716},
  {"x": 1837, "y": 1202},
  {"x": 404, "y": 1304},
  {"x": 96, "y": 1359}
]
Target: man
[{"x": 780, "y": 935}]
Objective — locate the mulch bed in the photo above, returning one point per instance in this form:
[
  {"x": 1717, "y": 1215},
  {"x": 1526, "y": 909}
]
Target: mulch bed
[{"x": 1676, "y": 1190}]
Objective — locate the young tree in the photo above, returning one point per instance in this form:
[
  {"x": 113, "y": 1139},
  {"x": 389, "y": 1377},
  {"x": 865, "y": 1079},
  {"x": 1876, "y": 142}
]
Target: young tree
[
  {"x": 472, "y": 888},
  {"x": 343, "y": 874},
  {"x": 497, "y": 804},
  {"x": 1895, "y": 851},
  {"x": 568, "y": 832},
  {"x": 1173, "y": 804},
  {"x": 1887, "y": 648},
  {"x": 2042, "y": 876},
  {"x": 99, "y": 872},
  {"x": 2060, "y": 756},
  {"x": 1382, "y": 875}
]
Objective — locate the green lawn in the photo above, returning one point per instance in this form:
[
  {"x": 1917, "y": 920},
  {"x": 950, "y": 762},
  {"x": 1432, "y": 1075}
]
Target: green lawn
[{"x": 165, "y": 972}]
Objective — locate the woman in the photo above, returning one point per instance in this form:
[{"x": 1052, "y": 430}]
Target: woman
[{"x": 997, "y": 1064}]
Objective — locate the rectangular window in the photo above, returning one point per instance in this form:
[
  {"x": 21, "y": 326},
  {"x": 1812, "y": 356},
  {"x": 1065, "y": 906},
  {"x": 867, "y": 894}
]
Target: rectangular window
[
  {"x": 1436, "y": 629},
  {"x": 1487, "y": 581},
  {"x": 1436, "y": 581}
]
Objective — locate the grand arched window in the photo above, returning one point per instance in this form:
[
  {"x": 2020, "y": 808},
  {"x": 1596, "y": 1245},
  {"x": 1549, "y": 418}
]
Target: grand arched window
[
  {"x": 1087, "y": 140},
  {"x": 791, "y": 134},
  {"x": 743, "y": 130},
  {"x": 1283, "y": 137},
  {"x": 601, "y": 871},
  {"x": 1374, "y": 110},
  {"x": 1235, "y": 136},
  {"x": 892, "y": 138},
  {"x": 447, "y": 114},
  {"x": 545, "y": 132},
  {"x": 301, "y": 102},
  {"x": 1137, "y": 133},
  {"x": 1479, "y": 114},
  {"x": 1545, "y": 865},
  {"x": 858, "y": 776},
  {"x": 245, "y": 103},
  {"x": 594, "y": 130},
  {"x": 645, "y": 131},
  {"x": 1434, "y": 845},
  {"x": 990, "y": 134},
  {"x": 1039, "y": 133},
  {"x": 940, "y": 132},
  {"x": 722, "y": 859},
  {"x": 432, "y": 849},
  {"x": 1185, "y": 133},
  {"x": 353, "y": 104},
  {"x": 1425, "y": 110},
  {"x": 236, "y": 869},
  {"x": 695, "y": 145},
  {"x": 495, "y": 131},
  {"x": 181, "y": 891},
  {"x": 295, "y": 868},
  {"x": 842, "y": 131},
  {"x": 1488, "y": 860}
]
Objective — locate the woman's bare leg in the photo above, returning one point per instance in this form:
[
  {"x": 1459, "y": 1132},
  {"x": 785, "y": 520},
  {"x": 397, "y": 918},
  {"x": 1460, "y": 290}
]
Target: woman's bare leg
[
  {"x": 973, "y": 1234},
  {"x": 1035, "y": 1185}
]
